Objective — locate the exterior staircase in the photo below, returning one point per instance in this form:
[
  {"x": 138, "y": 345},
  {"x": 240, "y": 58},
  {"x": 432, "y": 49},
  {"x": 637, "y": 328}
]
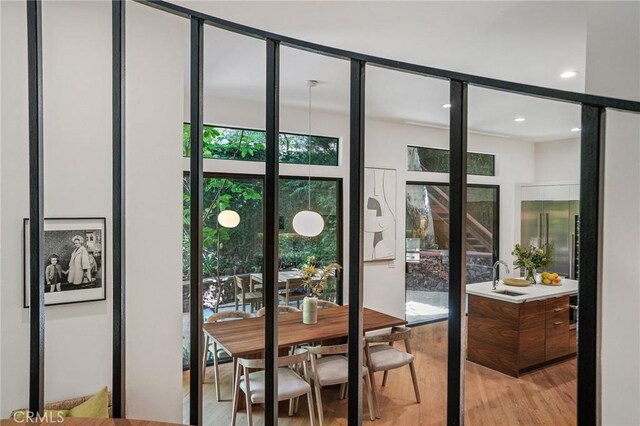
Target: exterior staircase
[{"x": 479, "y": 238}]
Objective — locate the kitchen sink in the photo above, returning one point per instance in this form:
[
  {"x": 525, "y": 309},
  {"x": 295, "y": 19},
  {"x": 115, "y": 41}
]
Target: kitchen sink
[{"x": 510, "y": 293}]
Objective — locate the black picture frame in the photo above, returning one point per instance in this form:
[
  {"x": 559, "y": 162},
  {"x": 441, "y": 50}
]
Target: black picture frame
[{"x": 61, "y": 232}]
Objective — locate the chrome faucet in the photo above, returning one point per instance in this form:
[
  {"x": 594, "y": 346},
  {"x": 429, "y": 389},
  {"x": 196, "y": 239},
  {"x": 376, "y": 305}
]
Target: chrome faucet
[{"x": 496, "y": 266}]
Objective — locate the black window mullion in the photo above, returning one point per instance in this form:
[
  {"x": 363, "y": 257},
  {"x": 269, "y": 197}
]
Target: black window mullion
[
  {"x": 270, "y": 223},
  {"x": 589, "y": 293},
  {"x": 118, "y": 210},
  {"x": 196, "y": 176},
  {"x": 457, "y": 254},
  {"x": 36, "y": 209},
  {"x": 356, "y": 239}
]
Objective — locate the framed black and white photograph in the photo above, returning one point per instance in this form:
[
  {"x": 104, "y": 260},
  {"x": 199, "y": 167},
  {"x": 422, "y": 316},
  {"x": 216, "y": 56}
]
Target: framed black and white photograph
[
  {"x": 74, "y": 256},
  {"x": 379, "y": 214}
]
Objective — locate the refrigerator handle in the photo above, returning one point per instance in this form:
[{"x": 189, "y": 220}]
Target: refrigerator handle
[
  {"x": 546, "y": 240},
  {"x": 540, "y": 229},
  {"x": 572, "y": 257}
]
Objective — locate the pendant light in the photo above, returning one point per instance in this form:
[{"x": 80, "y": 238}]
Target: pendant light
[{"x": 308, "y": 223}]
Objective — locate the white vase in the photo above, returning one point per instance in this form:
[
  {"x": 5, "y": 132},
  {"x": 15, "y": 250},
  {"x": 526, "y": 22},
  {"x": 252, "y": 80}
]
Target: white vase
[{"x": 310, "y": 310}]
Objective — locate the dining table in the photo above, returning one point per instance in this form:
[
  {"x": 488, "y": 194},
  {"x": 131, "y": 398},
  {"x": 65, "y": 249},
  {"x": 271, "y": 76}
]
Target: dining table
[
  {"x": 245, "y": 338},
  {"x": 242, "y": 338}
]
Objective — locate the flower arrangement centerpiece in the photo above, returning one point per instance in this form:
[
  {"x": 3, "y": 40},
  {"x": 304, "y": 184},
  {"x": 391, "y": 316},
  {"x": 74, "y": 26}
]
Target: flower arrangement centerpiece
[
  {"x": 315, "y": 279},
  {"x": 531, "y": 258}
]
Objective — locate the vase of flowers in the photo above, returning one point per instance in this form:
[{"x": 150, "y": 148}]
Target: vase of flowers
[
  {"x": 315, "y": 281},
  {"x": 531, "y": 258}
]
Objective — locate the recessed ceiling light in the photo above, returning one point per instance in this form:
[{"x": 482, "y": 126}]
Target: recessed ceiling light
[
  {"x": 576, "y": 129},
  {"x": 446, "y": 105},
  {"x": 568, "y": 74},
  {"x": 519, "y": 119}
]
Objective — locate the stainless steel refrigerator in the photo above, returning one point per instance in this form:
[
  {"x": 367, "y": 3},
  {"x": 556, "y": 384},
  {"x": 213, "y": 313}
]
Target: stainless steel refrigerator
[{"x": 556, "y": 223}]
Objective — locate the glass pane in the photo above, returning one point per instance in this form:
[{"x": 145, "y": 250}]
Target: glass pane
[
  {"x": 523, "y": 346},
  {"x": 249, "y": 145},
  {"x": 295, "y": 249},
  {"x": 433, "y": 160},
  {"x": 404, "y": 111},
  {"x": 427, "y": 233}
]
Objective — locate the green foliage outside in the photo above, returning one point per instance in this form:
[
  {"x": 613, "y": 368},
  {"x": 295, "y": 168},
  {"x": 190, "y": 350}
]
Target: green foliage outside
[
  {"x": 241, "y": 247},
  {"x": 249, "y": 145},
  {"x": 423, "y": 159}
]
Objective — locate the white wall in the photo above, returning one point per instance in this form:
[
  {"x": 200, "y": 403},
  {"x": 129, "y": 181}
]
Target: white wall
[
  {"x": 77, "y": 94},
  {"x": 558, "y": 161},
  {"x": 612, "y": 69},
  {"x": 77, "y": 139},
  {"x": 386, "y": 147}
]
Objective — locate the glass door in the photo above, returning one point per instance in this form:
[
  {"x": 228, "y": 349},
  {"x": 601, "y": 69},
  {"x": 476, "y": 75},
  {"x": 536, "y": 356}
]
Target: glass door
[{"x": 427, "y": 245}]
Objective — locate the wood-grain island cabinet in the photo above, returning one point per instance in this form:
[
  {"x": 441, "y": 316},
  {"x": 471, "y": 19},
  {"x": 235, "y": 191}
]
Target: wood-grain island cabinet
[{"x": 516, "y": 337}]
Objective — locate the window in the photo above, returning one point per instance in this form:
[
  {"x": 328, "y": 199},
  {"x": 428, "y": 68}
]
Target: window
[
  {"x": 427, "y": 245},
  {"x": 423, "y": 159},
  {"x": 249, "y": 145},
  {"x": 241, "y": 247}
]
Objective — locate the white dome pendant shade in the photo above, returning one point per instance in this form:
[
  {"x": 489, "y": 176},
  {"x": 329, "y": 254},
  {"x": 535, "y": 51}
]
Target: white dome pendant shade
[
  {"x": 229, "y": 218},
  {"x": 308, "y": 223}
]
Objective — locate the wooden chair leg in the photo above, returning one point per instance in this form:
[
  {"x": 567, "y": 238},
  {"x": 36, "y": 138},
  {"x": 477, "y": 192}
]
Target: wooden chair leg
[
  {"x": 247, "y": 397},
  {"x": 236, "y": 394},
  {"x": 376, "y": 403},
  {"x": 310, "y": 404},
  {"x": 216, "y": 373},
  {"x": 415, "y": 381},
  {"x": 204, "y": 358},
  {"x": 384, "y": 378},
  {"x": 319, "y": 402},
  {"x": 370, "y": 403}
]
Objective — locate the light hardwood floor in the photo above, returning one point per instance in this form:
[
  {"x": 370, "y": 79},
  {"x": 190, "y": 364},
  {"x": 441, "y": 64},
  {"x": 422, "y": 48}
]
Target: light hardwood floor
[{"x": 542, "y": 397}]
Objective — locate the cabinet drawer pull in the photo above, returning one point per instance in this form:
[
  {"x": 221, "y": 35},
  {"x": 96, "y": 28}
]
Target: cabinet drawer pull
[
  {"x": 558, "y": 322},
  {"x": 557, "y": 309}
]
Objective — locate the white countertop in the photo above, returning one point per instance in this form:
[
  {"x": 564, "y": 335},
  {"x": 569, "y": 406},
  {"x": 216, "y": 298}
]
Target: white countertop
[{"x": 533, "y": 292}]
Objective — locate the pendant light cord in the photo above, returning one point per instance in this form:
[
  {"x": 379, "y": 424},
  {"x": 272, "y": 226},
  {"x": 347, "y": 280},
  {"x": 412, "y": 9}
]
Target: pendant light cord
[{"x": 309, "y": 145}]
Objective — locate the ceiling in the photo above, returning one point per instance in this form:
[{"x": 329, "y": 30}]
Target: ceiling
[{"x": 527, "y": 42}]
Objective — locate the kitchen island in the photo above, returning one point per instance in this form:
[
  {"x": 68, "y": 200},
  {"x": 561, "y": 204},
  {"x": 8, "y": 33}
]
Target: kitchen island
[{"x": 517, "y": 329}]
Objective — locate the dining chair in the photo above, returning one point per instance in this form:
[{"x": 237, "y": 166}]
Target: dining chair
[
  {"x": 243, "y": 293},
  {"x": 330, "y": 366},
  {"x": 218, "y": 353},
  {"x": 383, "y": 356},
  {"x": 294, "y": 291},
  {"x": 323, "y": 304},
  {"x": 281, "y": 310},
  {"x": 290, "y": 384}
]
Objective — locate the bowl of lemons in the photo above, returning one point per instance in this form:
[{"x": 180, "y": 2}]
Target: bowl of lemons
[{"x": 550, "y": 278}]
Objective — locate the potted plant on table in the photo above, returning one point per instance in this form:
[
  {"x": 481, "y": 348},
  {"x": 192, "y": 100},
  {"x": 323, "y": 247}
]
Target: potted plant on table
[
  {"x": 315, "y": 281},
  {"x": 531, "y": 258}
]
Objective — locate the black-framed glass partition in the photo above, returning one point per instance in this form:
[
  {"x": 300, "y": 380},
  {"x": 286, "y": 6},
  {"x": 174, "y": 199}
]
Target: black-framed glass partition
[
  {"x": 589, "y": 248},
  {"x": 522, "y": 331}
]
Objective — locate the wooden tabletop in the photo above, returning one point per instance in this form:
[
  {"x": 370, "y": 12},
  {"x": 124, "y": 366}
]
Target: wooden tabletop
[{"x": 246, "y": 337}]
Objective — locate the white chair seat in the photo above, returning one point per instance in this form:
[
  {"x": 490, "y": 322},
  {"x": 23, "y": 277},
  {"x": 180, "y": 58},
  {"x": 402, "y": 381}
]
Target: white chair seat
[
  {"x": 385, "y": 357},
  {"x": 290, "y": 385},
  {"x": 334, "y": 370}
]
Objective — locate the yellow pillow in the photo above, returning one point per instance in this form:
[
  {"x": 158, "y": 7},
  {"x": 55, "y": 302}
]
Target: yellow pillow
[
  {"x": 49, "y": 415},
  {"x": 95, "y": 407}
]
